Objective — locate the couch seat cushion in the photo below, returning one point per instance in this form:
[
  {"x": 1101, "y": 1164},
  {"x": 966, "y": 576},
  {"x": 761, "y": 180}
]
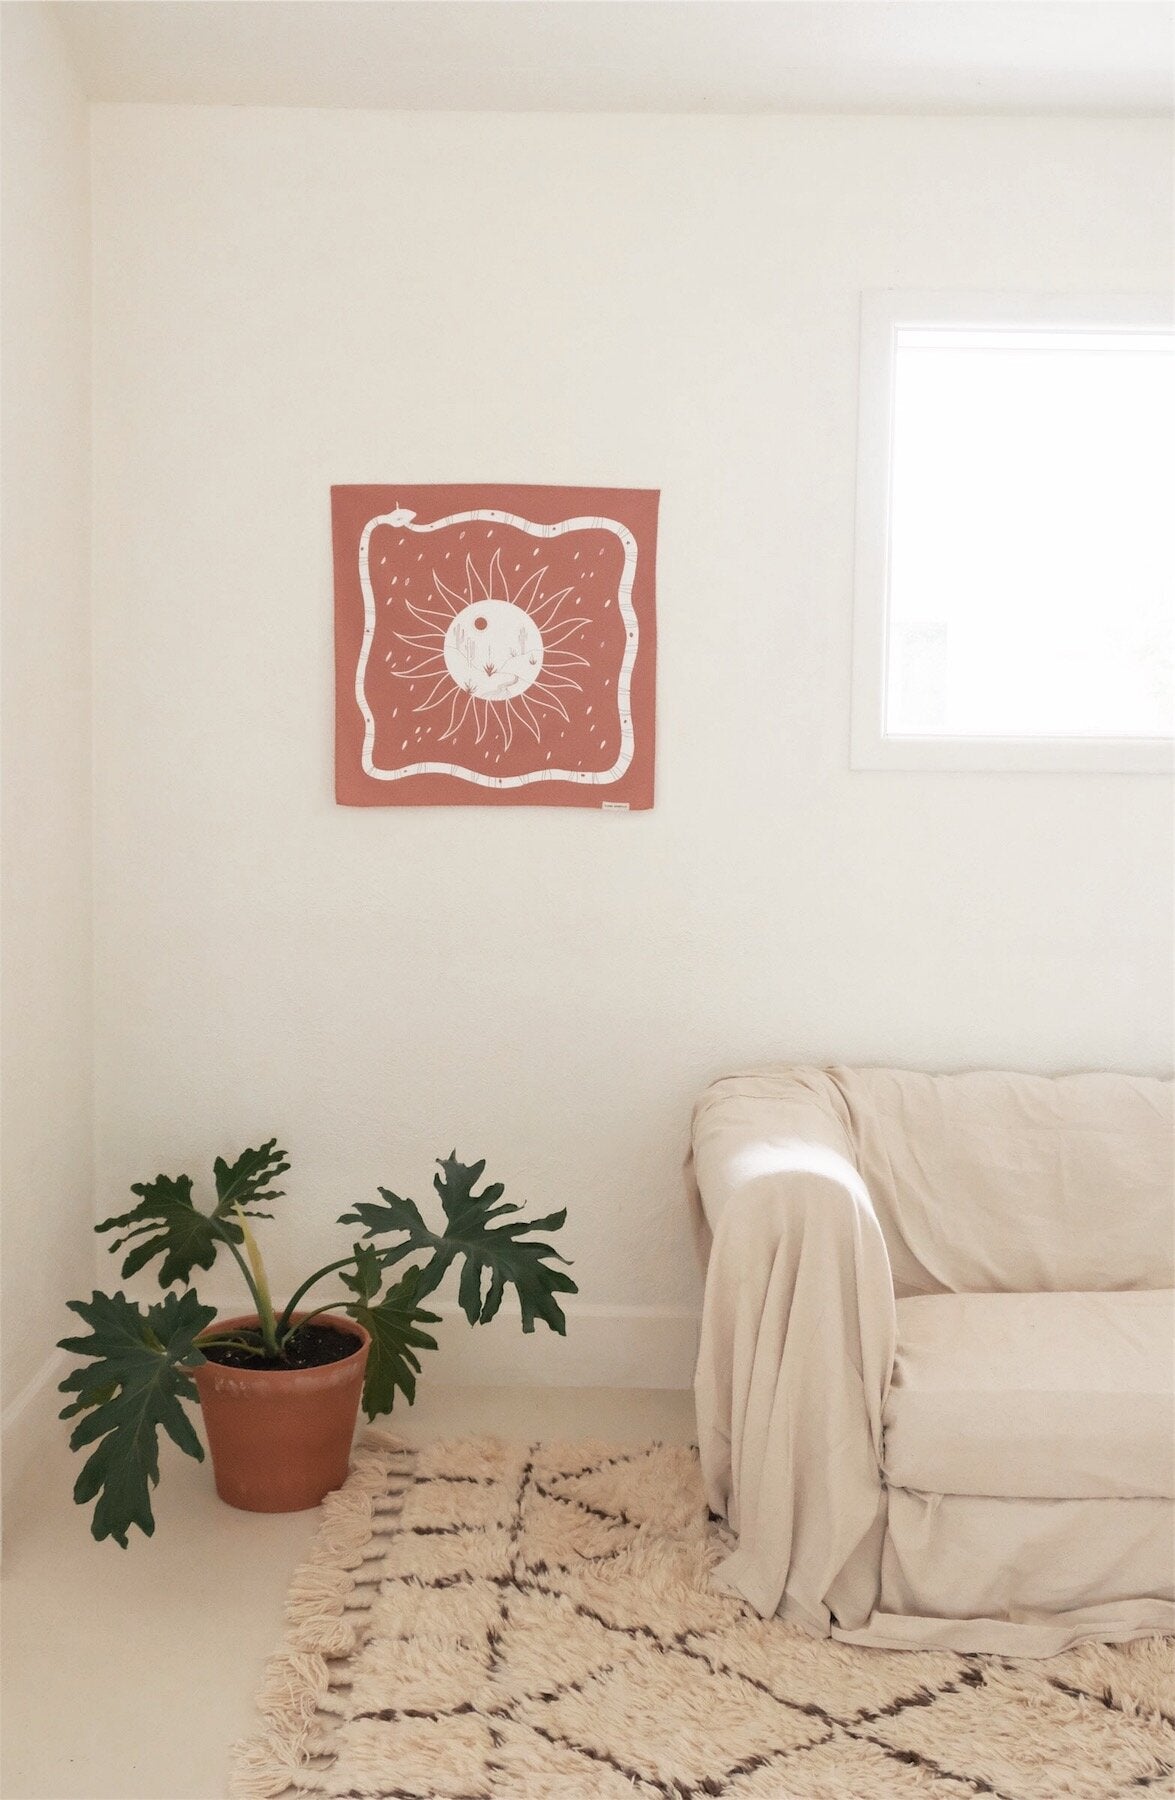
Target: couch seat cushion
[{"x": 1039, "y": 1396}]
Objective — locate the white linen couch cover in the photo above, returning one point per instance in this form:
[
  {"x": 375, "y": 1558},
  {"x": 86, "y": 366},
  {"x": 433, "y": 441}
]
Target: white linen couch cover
[{"x": 936, "y": 1381}]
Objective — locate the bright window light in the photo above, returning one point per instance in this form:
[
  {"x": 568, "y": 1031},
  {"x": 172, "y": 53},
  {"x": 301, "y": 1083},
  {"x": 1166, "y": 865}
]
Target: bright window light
[{"x": 1025, "y": 571}]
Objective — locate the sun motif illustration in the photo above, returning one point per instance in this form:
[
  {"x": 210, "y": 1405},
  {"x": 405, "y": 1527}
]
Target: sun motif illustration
[{"x": 496, "y": 656}]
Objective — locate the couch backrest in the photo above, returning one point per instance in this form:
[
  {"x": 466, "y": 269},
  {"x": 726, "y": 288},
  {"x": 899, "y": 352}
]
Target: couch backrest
[{"x": 1024, "y": 1183}]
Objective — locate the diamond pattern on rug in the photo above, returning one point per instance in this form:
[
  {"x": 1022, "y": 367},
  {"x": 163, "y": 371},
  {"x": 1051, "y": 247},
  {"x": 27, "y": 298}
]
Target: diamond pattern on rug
[
  {"x": 994, "y": 1724},
  {"x": 586, "y": 1647},
  {"x": 806, "y": 1669},
  {"x": 539, "y": 1625},
  {"x": 662, "y": 1706}
]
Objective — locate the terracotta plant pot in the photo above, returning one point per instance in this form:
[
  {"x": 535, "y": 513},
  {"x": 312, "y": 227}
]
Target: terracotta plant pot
[{"x": 281, "y": 1438}]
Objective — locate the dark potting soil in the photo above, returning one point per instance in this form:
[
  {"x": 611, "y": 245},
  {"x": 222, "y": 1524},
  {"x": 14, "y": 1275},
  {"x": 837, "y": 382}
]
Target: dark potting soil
[{"x": 309, "y": 1348}]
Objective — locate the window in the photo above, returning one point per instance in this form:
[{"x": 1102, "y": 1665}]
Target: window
[{"x": 1015, "y": 584}]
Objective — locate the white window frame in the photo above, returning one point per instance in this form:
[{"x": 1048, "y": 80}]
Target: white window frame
[{"x": 882, "y": 312}]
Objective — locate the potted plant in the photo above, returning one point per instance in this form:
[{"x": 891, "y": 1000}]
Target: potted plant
[{"x": 279, "y": 1389}]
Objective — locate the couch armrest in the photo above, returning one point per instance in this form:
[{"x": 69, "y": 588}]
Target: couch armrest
[
  {"x": 797, "y": 1349},
  {"x": 746, "y": 1127}
]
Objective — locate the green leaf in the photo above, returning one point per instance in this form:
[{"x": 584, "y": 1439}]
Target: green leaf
[
  {"x": 392, "y": 1363},
  {"x": 247, "y": 1181},
  {"x": 368, "y": 1277},
  {"x": 494, "y": 1251},
  {"x": 167, "y": 1223},
  {"x": 394, "y": 1214},
  {"x": 131, "y": 1391}
]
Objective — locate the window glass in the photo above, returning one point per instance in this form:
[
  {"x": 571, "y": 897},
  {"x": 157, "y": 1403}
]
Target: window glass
[{"x": 1031, "y": 559}]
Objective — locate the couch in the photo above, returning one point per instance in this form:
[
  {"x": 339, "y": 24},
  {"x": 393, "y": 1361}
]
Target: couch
[{"x": 936, "y": 1379}]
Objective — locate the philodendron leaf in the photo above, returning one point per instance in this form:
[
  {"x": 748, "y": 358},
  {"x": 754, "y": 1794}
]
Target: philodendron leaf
[
  {"x": 133, "y": 1388},
  {"x": 499, "y": 1252},
  {"x": 248, "y": 1180},
  {"x": 168, "y": 1223},
  {"x": 368, "y": 1276},
  {"x": 392, "y": 1363},
  {"x": 392, "y": 1214}
]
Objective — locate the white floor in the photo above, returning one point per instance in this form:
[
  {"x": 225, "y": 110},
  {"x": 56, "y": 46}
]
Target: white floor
[{"x": 127, "y": 1674}]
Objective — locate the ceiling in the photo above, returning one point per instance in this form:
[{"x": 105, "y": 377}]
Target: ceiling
[{"x": 741, "y": 56}]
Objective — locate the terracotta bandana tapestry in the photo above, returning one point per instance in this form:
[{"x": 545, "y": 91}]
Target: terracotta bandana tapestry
[{"x": 494, "y": 646}]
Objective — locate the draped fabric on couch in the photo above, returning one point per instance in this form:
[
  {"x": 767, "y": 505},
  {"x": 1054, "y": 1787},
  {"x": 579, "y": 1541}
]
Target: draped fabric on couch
[{"x": 935, "y": 1385}]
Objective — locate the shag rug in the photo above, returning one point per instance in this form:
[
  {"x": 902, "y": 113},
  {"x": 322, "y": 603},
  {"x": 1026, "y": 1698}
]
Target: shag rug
[{"x": 480, "y": 1621}]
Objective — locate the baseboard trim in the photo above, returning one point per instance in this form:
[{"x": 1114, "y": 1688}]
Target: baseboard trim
[
  {"x": 619, "y": 1347},
  {"x": 605, "y": 1346}
]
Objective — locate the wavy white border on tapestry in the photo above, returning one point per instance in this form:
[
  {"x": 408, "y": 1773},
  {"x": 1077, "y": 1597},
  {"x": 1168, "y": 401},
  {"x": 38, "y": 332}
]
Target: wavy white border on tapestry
[{"x": 405, "y": 520}]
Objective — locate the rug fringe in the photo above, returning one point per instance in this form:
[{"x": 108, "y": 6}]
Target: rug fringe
[
  {"x": 296, "y": 1683},
  {"x": 265, "y": 1767},
  {"x": 375, "y": 1438}
]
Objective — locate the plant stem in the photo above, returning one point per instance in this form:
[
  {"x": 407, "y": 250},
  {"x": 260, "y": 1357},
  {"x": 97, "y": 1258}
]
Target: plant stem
[
  {"x": 270, "y": 1337},
  {"x": 257, "y": 1264},
  {"x": 283, "y": 1324},
  {"x": 306, "y": 1318},
  {"x": 231, "y": 1343}
]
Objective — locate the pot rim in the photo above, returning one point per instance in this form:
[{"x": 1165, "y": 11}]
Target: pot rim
[{"x": 340, "y": 1320}]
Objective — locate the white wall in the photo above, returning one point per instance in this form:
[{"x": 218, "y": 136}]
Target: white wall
[
  {"x": 290, "y": 299},
  {"x": 45, "y": 651}
]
